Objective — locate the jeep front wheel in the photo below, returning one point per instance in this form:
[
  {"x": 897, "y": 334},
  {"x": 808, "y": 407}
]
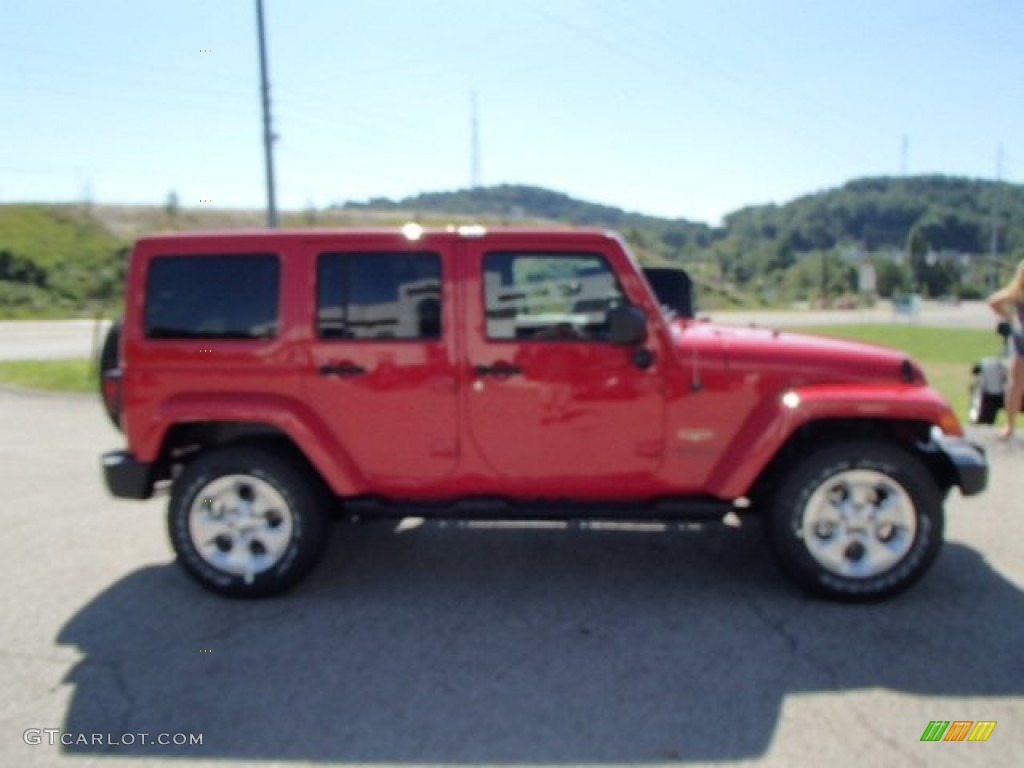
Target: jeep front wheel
[
  {"x": 246, "y": 522},
  {"x": 856, "y": 521}
]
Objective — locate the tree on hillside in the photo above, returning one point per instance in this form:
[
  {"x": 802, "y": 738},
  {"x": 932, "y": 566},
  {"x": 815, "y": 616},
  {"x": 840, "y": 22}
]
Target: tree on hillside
[
  {"x": 17, "y": 269},
  {"x": 917, "y": 255},
  {"x": 891, "y": 278}
]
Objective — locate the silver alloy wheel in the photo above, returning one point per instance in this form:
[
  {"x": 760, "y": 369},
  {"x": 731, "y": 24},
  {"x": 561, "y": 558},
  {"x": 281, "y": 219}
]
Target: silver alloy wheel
[
  {"x": 859, "y": 523},
  {"x": 240, "y": 524}
]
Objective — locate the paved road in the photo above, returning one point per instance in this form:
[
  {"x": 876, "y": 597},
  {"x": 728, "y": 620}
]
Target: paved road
[
  {"x": 461, "y": 646},
  {"x": 968, "y": 314},
  {"x": 50, "y": 339},
  {"x": 26, "y": 340}
]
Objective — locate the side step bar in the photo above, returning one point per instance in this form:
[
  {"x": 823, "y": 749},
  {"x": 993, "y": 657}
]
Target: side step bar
[{"x": 695, "y": 509}]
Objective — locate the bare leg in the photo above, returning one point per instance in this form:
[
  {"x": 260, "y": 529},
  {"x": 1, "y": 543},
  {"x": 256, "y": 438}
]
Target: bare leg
[{"x": 1014, "y": 392}]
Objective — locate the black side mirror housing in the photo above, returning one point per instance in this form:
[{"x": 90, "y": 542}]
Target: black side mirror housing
[
  {"x": 673, "y": 288},
  {"x": 627, "y": 326},
  {"x": 1003, "y": 329}
]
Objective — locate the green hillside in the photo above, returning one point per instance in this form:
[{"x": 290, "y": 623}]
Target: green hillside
[
  {"x": 511, "y": 204},
  {"x": 57, "y": 260},
  {"x": 930, "y": 234},
  {"x": 939, "y": 227},
  {"x": 69, "y": 260}
]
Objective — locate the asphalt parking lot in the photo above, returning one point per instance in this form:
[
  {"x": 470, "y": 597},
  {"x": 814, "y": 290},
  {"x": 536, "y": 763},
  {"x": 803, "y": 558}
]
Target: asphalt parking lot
[{"x": 459, "y": 646}]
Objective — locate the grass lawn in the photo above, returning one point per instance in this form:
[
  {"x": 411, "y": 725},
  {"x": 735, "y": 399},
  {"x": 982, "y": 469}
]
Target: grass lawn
[
  {"x": 57, "y": 375},
  {"x": 946, "y": 354}
]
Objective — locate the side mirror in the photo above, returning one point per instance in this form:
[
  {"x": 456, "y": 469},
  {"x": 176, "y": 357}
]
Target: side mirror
[
  {"x": 1003, "y": 329},
  {"x": 673, "y": 289},
  {"x": 627, "y": 326}
]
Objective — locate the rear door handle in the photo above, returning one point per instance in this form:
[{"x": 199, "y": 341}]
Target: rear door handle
[
  {"x": 500, "y": 370},
  {"x": 341, "y": 369}
]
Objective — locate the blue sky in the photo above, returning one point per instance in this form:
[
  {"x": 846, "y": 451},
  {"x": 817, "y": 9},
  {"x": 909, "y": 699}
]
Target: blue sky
[{"x": 670, "y": 107}]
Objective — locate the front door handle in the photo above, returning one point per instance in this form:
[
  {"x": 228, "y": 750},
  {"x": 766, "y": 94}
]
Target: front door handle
[
  {"x": 341, "y": 369},
  {"x": 499, "y": 370}
]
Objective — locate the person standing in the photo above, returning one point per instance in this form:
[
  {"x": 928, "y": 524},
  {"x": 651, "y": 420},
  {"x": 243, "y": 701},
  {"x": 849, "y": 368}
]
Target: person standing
[{"x": 1008, "y": 303}]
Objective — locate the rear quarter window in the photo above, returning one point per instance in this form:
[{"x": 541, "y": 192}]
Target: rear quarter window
[{"x": 213, "y": 297}]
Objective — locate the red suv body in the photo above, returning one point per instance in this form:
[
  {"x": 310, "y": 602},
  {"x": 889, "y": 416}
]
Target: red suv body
[{"x": 267, "y": 377}]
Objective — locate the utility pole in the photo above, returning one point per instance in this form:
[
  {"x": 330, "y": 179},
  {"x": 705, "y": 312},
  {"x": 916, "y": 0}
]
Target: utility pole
[{"x": 268, "y": 132}]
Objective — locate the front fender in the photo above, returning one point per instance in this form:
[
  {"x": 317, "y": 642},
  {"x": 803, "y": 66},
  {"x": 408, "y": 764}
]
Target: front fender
[
  {"x": 288, "y": 415},
  {"x": 778, "y": 418}
]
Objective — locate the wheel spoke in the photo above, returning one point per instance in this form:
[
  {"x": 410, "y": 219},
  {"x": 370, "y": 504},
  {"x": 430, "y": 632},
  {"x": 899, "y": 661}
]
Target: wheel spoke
[
  {"x": 891, "y": 510},
  {"x": 236, "y": 559},
  {"x": 862, "y": 496},
  {"x": 275, "y": 540},
  {"x": 880, "y": 555},
  {"x": 832, "y": 552},
  {"x": 212, "y": 527}
]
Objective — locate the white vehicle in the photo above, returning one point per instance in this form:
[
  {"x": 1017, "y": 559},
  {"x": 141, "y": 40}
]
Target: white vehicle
[{"x": 987, "y": 390}]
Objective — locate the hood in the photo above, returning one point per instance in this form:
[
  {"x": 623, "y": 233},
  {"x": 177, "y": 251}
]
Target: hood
[{"x": 801, "y": 358}]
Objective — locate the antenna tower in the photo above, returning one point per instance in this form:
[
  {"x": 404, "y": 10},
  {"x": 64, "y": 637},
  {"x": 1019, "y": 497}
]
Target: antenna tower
[{"x": 474, "y": 172}]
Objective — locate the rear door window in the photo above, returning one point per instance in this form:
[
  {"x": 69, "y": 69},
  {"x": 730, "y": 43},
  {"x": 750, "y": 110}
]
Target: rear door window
[{"x": 379, "y": 295}]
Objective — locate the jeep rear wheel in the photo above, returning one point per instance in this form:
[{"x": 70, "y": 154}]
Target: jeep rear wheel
[
  {"x": 106, "y": 364},
  {"x": 246, "y": 522},
  {"x": 857, "y": 521}
]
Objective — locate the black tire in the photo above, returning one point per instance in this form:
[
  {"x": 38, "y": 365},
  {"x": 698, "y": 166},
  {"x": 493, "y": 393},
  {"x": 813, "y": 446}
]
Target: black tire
[
  {"x": 982, "y": 407},
  {"x": 108, "y": 361},
  {"x": 275, "y": 549},
  {"x": 899, "y": 487}
]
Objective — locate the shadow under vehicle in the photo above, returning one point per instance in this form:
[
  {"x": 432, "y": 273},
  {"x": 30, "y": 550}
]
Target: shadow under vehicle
[{"x": 448, "y": 644}]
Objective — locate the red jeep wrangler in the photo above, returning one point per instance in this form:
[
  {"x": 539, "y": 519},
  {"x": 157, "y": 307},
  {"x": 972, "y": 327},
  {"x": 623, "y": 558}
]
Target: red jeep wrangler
[{"x": 271, "y": 378}]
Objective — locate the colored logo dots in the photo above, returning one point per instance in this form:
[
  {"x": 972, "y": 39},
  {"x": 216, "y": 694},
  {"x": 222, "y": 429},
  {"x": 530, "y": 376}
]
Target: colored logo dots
[
  {"x": 960, "y": 730},
  {"x": 206, "y": 650},
  {"x": 205, "y": 350},
  {"x": 206, "y": 50},
  {"x": 205, "y": 200}
]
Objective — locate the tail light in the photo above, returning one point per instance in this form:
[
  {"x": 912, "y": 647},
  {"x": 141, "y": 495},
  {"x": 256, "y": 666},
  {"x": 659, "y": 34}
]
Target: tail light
[{"x": 950, "y": 424}]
